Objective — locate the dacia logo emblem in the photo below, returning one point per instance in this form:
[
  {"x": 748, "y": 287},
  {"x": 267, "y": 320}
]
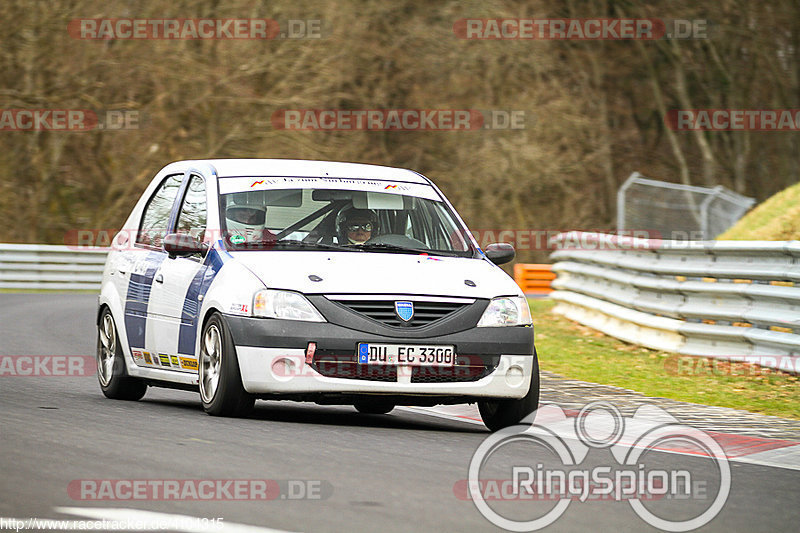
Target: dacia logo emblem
[{"x": 405, "y": 310}]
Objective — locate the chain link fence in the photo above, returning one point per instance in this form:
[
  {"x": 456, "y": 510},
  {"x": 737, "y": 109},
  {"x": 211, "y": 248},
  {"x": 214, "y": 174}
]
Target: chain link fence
[{"x": 678, "y": 211}]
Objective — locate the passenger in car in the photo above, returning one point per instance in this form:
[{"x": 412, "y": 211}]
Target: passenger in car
[{"x": 246, "y": 224}]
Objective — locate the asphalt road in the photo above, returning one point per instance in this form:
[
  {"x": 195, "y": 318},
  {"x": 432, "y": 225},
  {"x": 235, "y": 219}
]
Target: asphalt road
[{"x": 385, "y": 473}]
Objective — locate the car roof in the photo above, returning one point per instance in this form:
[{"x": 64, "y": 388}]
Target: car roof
[{"x": 298, "y": 168}]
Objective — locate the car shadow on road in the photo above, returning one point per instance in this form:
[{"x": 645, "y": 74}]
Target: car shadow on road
[
  {"x": 331, "y": 415},
  {"x": 343, "y": 415}
]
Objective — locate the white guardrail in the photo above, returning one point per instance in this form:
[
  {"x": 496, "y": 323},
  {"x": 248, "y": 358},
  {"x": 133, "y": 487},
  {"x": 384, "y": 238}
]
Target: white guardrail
[
  {"x": 729, "y": 299},
  {"x": 726, "y": 299},
  {"x": 38, "y": 266}
]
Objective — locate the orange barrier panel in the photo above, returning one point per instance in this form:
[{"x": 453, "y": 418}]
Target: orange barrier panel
[{"x": 534, "y": 280}]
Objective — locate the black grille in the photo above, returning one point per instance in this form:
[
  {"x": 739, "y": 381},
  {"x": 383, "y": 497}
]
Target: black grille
[
  {"x": 451, "y": 374},
  {"x": 347, "y": 367},
  {"x": 466, "y": 369},
  {"x": 383, "y": 311}
]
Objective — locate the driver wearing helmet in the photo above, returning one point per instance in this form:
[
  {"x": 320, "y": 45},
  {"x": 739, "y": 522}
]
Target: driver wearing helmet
[
  {"x": 246, "y": 222},
  {"x": 356, "y": 226}
]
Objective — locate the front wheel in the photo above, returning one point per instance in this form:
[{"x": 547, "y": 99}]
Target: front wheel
[
  {"x": 220, "y": 380},
  {"x": 499, "y": 414},
  {"x": 111, "y": 371}
]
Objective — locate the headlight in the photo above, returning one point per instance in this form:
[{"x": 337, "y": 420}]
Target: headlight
[
  {"x": 284, "y": 304},
  {"x": 506, "y": 311}
]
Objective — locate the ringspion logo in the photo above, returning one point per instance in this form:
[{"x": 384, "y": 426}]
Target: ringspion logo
[{"x": 555, "y": 468}]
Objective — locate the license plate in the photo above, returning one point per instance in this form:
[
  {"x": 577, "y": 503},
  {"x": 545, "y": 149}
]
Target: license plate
[{"x": 405, "y": 354}]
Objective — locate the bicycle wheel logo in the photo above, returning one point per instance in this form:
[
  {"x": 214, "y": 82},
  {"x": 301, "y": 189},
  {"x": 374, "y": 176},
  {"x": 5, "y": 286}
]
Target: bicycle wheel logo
[{"x": 600, "y": 426}]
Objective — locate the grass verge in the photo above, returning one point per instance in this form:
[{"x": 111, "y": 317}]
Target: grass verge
[
  {"x": 578, "y": 352},
  {"x": 777, "y": 219}
]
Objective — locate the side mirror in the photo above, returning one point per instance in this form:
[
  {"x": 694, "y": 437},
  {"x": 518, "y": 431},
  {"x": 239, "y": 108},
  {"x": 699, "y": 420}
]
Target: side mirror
[
  {"x": 500, "y": 253},
  {"x": 176, "y": 244}
]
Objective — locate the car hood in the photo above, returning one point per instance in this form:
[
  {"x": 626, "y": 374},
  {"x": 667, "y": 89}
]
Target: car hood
[{"x": 377, "y": 273}]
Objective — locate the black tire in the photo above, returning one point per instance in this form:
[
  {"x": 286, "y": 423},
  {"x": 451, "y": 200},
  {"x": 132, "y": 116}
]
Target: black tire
[
  {"x": 373, "y": 407},
  {"x": 220, "y": 380},
  {"x": 499, "y": 414},
  {"x": 111, "y": 370}
]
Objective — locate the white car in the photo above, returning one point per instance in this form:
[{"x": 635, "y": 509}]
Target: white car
[{"x": 337, "y": 283}]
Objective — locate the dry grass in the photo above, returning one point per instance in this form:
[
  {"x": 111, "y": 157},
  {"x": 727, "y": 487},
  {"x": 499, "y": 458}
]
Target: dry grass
[{"x": 777, "y": 219}]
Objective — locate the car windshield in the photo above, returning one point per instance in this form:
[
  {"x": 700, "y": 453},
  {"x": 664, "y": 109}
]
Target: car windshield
[{"x": 347, "y": 219}]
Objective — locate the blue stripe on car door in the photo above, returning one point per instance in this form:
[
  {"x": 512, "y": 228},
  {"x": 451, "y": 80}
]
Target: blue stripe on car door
[
  {"x": 138, "y": 298},
  {"x": 190, "y": 316}
]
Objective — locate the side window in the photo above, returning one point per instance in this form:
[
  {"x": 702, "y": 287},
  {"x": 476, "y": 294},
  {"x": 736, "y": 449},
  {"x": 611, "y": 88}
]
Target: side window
[
  {"x": 192, "y": 218},
  {"x": 155, "y": 217}
]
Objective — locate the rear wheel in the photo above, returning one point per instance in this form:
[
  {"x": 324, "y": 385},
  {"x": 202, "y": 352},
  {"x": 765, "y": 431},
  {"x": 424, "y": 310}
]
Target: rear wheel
[
  {"x": 111, "y": 370},
  {"x": 373, "y": 407},
  {"x": 498, "y": 414},
  {"x": 220, "y": 380}
]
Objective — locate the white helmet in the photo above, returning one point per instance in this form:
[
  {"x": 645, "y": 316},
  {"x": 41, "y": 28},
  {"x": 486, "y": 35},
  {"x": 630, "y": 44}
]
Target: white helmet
[{"x": 245, "y": 222}]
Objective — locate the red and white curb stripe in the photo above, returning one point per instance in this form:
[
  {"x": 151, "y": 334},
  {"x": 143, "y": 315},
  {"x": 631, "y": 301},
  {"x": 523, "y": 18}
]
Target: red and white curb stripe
[{"x": 761, "y": 451}]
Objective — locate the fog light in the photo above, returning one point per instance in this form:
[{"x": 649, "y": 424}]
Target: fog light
[
  {"x": 515, "y": 376},
  {"x": 283, "y": 368}
]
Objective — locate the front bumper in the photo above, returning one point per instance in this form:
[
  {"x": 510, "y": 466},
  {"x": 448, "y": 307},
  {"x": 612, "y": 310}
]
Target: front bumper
[{"x": 491, "y": 362}]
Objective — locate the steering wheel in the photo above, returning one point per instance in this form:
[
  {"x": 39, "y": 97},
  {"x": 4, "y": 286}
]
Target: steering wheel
[{"x": 399, "y": 240}]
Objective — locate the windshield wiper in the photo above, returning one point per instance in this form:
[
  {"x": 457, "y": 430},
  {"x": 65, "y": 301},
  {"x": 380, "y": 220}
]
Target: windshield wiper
[
  {"x": 302, "y": 244},
  {"x": 387, "y": 247},
  {"x": 403, "y": 249}
]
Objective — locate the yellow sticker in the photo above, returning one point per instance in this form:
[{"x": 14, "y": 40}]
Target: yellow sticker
[{"x": 190, "y": 364}]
